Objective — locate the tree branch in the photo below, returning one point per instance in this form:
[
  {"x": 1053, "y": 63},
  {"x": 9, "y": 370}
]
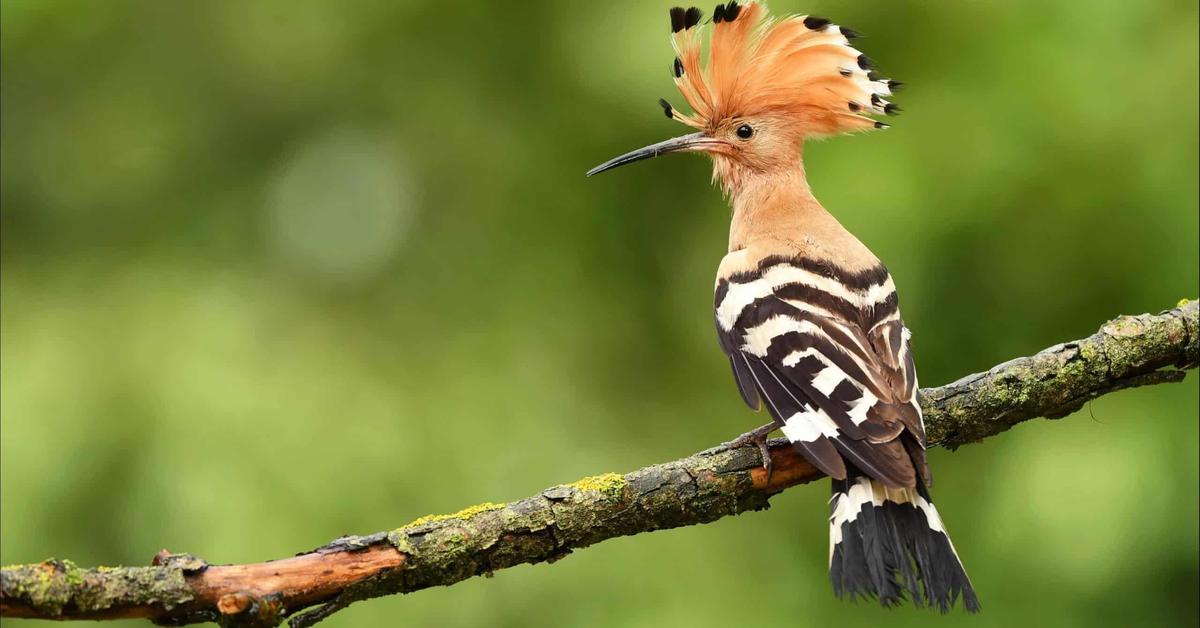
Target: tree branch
[{"x": 441, "y": 550}]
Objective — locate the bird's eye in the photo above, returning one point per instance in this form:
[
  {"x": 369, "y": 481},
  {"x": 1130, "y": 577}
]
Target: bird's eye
[{"x": 745, "y": 131}]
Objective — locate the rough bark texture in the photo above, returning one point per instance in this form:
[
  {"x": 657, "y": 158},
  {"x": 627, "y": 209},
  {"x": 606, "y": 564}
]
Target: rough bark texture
[{"x": 444, "y": 549}]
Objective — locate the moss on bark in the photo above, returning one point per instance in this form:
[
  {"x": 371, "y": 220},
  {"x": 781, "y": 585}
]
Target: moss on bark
[{"x": 58, "y": 588}]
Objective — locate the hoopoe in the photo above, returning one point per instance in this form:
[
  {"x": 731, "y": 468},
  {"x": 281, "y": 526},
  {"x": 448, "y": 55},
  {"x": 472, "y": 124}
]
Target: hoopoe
[{"x": 807, "y": 315}]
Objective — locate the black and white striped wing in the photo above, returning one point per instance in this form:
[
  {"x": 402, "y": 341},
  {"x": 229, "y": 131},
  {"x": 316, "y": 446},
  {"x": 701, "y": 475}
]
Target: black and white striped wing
[{"x": 826, "y": 353}]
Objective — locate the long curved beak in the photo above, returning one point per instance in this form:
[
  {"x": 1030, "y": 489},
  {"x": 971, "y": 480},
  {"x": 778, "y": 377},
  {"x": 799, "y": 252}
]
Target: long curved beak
[{"x": 689, "y": 142}]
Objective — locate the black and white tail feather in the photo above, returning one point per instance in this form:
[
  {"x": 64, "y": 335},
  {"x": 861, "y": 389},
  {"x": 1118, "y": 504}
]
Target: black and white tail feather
[
  {"x": 889, "y": 543},
  {"x": 825, "y": 351}
]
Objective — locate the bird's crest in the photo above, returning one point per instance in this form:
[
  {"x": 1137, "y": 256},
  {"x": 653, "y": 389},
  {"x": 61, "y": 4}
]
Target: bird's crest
[{"x": 801, "y": 66}]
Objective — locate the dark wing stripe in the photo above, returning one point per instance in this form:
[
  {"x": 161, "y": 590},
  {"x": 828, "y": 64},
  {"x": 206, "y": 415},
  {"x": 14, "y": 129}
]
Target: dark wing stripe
[
  {"x": 771, "y": 394},
  {"x": 819, "y": 298},
  {"x": 887, "y": 462},
  {"x": 820, "y": 452},
  {"x": 745, "y": 382},
  {"x": 785, "y": 343},
  {"x": 857, "y": 280},
  {"x": 890, "y": 306},
  {"x": 879, "y": 426},
  {"x": 721, "y": 291},
  {"x": 909, "y": 413}
]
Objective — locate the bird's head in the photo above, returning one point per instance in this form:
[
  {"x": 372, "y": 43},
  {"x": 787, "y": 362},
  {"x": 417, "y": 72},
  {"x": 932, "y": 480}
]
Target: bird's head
[{"x": 765, "y": 87}]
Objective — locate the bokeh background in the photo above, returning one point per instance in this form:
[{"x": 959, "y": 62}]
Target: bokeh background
[{"x": 278, "y": 271}]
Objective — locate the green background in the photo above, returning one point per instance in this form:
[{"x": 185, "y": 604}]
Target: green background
[{"x": 274, "y": 272}]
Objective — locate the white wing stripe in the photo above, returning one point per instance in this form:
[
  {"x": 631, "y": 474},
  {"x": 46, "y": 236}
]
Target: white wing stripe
[
  {"x": 739, "y": 296},
  {"x": 809, "y": 426},
  {"x": 828, "y": 379},
  {"x": 794, "y": 357},
  {"x": 858, "y": 413}
]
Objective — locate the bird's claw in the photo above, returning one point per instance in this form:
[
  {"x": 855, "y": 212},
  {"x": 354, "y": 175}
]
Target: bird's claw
[{"x": 758, "y": 437}]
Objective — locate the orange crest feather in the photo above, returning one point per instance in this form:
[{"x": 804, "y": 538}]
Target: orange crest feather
[{"x": 800, "y": 66}]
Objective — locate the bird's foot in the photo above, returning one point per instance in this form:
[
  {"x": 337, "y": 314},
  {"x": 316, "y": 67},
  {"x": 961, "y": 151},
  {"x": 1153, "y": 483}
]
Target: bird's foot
[{"x": 758, "y": 437}]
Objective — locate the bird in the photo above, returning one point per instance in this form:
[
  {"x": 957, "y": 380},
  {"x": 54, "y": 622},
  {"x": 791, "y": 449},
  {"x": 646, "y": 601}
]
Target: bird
[{"x": 807, "y": 315}]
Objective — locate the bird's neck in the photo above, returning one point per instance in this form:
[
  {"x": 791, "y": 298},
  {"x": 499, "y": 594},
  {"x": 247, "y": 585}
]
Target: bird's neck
[
  {"x": 772, "y": 205},
  {"x": 775, "y": 213}
]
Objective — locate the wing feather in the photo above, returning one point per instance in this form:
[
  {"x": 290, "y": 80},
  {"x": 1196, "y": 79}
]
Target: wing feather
[
  {"x": 829, "y": 357},
  {"x": 819, "y": 451}
]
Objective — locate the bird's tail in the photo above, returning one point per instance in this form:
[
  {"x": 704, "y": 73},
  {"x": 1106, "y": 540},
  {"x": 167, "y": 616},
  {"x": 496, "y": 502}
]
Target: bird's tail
[{"x": 886, "y": 542}]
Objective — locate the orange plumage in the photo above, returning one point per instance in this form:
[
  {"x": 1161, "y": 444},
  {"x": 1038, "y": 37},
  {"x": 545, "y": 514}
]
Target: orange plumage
[{"x": 800, "y": 66}]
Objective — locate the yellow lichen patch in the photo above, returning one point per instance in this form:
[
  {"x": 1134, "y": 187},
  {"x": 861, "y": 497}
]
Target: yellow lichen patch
[
  {"x": 465, "y": 513},
  {"x": 1182, "y": 302},
  {"x": 609, "y": 483}
]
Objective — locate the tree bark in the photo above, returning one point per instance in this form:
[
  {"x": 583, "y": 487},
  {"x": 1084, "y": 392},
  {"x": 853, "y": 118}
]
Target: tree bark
[{"x": 441, "y": 550}]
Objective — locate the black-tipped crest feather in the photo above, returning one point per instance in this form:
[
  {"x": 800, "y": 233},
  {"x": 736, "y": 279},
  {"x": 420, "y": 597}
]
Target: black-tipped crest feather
[
  {"x": 814, "y": 23},
  {"x": 666, "y": 107},
  {"x": 678, "y": 15}
]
